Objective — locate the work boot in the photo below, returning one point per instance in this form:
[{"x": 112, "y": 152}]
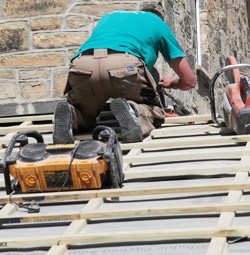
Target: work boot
[
  {"x": 63, "y": 133},
  {"x": 127, "y": 119}
]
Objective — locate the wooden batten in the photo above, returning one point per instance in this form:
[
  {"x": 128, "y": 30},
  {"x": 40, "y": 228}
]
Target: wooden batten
[{"x": 189, "y": 170}]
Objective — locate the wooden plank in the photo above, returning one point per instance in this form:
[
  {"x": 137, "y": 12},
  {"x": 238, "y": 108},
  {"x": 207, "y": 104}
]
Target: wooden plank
[
  {"x": 58, "y": 250},
  {"x": 29, "y": 241},
  {"x": 132, "y": 153},
  {"x": 226, "y": 219},
  {"x": 93, "y": 204},
  {"x": 205, "y": 169},
  {"x": 124, "y": 236},
  {"x": 2, "y": 182},
  {"x": 39, "y": 128},
  {"x": 217, "y": 186},
  {"x": 74, "y": 234},
  {"x": 150, "y": 210},
  {"x": 16, "y": 119},
  {"x": 9, "y": 135},
  {"x": 217, "y": 244},
  {"x": 189, "y": 130},
  {"x": 76, "y": 226},
  {"x": 186, "y": 141},
  {"x": 188, "y": 155},
  {"x": 7, "y": 210},
  {"x": 158, "y": 234},
  {"x": 168, "y": 210},
  {"x": 189, "y": 118},
  {"x": 6, "y": 139}
]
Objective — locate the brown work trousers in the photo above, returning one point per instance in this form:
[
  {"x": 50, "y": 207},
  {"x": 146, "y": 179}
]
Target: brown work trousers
[{"x": 102, "y": 74}]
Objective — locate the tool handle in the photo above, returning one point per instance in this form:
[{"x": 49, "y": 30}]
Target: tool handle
[
  {"x": 245, "y": 86},
  {"x": 111, "y": 140},
  {"x": 21, "y": 138},
  {"x": 211, "y": 87}
]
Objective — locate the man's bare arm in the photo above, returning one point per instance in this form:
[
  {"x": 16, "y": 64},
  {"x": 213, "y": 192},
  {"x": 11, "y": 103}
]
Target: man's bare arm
[{"x": 186, "y": 80}]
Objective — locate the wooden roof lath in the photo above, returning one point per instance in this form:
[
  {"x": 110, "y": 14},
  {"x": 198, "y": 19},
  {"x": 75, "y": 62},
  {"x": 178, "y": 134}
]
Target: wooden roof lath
[{"x": 186, "y": 191}]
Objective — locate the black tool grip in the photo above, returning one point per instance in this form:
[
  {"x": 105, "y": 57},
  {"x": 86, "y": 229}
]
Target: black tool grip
[{"x": 245, "y": 86}]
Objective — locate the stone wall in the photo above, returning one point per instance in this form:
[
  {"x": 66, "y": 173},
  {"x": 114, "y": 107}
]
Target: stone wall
[
  {"x": 39, "y": 37},
  {"x": 181, "y": 17},
  {"x": 224, "y": 31}
]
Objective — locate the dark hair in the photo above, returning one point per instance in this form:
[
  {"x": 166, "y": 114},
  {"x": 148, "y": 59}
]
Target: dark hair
[{"x": 155, "y": 7}]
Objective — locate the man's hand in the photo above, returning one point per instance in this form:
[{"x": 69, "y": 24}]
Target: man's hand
[
  {"x": 186, "y": 80},
  {"x": 169, "y": 83},
  {"x": 165, "y": 82}
]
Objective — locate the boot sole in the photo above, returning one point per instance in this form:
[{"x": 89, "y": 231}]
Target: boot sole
[
  {"x": 62, "y": 124},
  {"x": 130, "y": 130}
]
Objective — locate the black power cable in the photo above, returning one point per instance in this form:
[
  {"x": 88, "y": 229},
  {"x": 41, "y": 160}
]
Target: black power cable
[
  {"x": 32, "y": 207},
  {"x": 70, "y": 165}
]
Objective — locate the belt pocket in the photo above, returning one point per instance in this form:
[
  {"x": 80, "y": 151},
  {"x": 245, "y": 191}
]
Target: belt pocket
[
  {"x": 78, "y": 84},
  {"x": 124, "y": 72},
  {"x": 125, "y": 82}
]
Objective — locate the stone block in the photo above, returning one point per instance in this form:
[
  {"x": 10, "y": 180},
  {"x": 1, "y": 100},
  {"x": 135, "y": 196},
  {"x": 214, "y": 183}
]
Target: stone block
[
  {"x": 27, "y": 8},
  {"x": 34, "y": 90},
  {"x": 8, "y": 109},
  {"x": 7, "y": 74},
  {"x": 14, "y": 36},
  {"x": 101, "y": 8},
  {"x": 26, "y": 108},
  {"x": 205, "y": 61},
  {"x": 45, "y": 23},
  {"x": 187, "y": 27},
  {"x": 204, "y": 16},
  {"x": 59, "y": 82},
  {"x": 45, "y": 107},
  {"x": 32, "y": 60},
  {"x": 203, "y": 81},
  {"x": 76, "y": 22},
  {"x": 8, "y": 90},
  {"x": 205, "y": 32},
  {"x": 58, "y": 40},
  {"x": 34, "y": 74}
]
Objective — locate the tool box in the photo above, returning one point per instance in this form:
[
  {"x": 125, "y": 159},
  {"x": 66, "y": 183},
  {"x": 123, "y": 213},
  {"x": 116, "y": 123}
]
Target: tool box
[{"x": 40, "y": 167}]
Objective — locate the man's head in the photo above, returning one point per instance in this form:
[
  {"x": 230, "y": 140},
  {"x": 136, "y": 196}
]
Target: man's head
[{"x": 154, "y": 7}]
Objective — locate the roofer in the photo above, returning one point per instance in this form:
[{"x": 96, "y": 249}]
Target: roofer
[{"x": 115, "y": 62}]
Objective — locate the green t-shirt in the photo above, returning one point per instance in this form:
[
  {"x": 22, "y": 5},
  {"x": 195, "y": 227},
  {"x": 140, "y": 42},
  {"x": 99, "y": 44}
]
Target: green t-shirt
[{"x": 142, "y": 34}]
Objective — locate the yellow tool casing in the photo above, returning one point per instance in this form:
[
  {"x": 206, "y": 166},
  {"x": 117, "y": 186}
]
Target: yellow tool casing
[{"x": 56, "y": 170}]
